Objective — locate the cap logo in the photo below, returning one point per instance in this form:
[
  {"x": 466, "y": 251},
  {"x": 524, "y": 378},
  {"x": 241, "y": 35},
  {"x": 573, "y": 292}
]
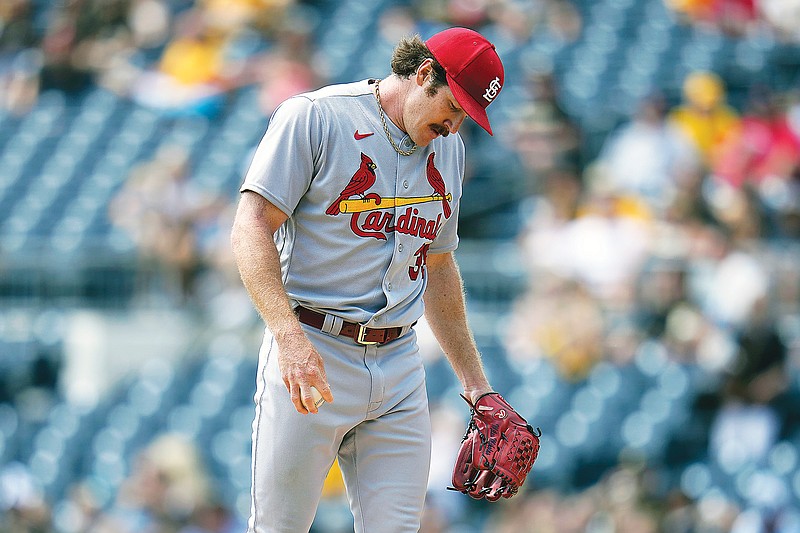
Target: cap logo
[{"x": 492, "y": 90}]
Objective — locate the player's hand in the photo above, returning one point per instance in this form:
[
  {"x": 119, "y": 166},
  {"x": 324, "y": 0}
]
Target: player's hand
[{"x": 302, "y": 368}]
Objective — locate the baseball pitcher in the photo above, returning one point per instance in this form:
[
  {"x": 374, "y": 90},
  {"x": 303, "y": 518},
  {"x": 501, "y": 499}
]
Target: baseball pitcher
[{"x": 344, "y": 237}]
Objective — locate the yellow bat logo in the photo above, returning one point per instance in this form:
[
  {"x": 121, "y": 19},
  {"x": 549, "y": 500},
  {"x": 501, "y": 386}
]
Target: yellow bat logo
[{"x": 371, "y": 204}]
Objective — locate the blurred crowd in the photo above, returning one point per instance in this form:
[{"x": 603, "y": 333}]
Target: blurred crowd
[
  {"x": 180, "y": 57},
  {"x": 682, "y": 205},
  {"x": 168, "y": 490},
  {"x": 738, "y": 17},
  {"x": 680, "y": 231}
]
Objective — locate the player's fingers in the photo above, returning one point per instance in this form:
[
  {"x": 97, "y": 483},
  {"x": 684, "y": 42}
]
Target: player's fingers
[
  {"x": 320, "y": 383},
  {"x": 324, "y": 390},
  {"x": 307, "y": 397},
  {"x": 295, "y": 394}
]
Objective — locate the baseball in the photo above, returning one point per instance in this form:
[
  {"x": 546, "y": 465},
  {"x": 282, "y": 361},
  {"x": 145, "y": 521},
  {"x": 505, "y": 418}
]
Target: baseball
[{"x": 318, "y": 399}]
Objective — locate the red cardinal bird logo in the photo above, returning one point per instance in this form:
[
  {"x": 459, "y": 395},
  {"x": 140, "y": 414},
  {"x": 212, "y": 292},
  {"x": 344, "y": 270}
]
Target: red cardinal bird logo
[
  {"x": 436, "y": 181},
  {"x": 362, "y": 180}
]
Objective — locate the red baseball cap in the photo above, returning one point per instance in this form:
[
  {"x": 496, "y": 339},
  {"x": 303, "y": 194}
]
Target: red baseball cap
[{"x": 474, "y": 71}]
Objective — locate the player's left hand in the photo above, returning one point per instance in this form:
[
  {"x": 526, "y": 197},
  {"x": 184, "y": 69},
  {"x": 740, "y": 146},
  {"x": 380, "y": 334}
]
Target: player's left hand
[{"x": 497, "y": 452}]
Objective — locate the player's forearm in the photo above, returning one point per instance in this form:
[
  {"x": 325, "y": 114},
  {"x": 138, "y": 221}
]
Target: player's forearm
[
  {"x": 259, "y": 267},
  {"x": 446, "y": 314}
]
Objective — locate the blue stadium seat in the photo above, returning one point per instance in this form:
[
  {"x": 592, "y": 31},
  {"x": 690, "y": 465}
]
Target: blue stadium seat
[
  {"x": 9, "y": 422},
  {"x": 696, "y": 480},
  {"x": 555, "y": 465},
  {"x": 605, "y": 379}
]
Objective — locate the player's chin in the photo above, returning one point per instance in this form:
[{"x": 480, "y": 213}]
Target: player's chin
[{"x": 423, "y": 141}]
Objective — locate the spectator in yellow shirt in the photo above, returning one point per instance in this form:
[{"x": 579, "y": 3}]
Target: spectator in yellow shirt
[
  {"x": 704, "y": 115},
  {"x": 190, "y": 77}
]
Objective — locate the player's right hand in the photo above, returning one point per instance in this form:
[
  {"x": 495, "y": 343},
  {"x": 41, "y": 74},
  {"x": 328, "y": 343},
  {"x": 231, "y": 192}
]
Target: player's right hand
[{"x": 301, "y": 368}]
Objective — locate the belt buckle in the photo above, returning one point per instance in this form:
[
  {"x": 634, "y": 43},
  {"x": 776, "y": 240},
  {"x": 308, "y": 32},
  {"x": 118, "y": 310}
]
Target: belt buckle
[{"x": 362, "y": 332}]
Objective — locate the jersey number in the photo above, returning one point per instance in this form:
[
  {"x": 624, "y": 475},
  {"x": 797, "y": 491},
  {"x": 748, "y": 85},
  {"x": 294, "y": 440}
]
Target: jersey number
[{"x": 419, "y": 267}]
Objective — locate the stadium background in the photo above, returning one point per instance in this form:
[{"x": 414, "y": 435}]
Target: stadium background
[{"x": 629, "y": 248}]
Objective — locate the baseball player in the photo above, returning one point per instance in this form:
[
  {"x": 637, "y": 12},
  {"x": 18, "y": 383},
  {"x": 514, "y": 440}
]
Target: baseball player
[{"x": 344, "y": 237}]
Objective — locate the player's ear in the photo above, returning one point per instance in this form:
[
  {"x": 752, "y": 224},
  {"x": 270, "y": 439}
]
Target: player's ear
[{"x": 424, "y": 72}]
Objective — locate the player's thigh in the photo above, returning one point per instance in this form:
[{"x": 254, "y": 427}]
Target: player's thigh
[
  {"x": 291, "y": 456},
  {"x": 385, "y": 462}
]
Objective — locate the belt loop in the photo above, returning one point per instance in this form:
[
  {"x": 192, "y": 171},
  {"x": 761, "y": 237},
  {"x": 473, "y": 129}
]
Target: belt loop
[
  {"x": 404, "y": 330},
  {"x": 332, "y": 325}
]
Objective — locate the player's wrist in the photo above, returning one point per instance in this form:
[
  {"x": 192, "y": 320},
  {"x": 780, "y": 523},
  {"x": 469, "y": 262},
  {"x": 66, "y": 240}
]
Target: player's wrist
[
  {"x": 290, "y": 331},
  {"x": 474, "y": 393}
]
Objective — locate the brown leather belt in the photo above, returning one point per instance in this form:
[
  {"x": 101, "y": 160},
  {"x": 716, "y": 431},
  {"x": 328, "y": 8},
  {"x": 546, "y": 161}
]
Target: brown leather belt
[{"x": 357, "y": 332}]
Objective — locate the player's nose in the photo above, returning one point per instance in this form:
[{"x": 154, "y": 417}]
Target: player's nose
[{"x": 454, "y": 125}]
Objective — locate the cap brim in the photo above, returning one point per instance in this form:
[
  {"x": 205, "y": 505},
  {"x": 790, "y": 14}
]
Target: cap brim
[{"x": 474, "y": 110}]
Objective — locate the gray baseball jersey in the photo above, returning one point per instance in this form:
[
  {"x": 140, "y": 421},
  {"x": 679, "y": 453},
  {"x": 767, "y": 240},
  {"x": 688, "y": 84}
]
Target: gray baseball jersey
[
  {"x": 362, "y": 220},
  {"x": 362, "y": 217}
]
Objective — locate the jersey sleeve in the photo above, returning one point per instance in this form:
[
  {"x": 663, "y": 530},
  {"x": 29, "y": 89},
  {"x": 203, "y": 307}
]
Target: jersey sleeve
[
  {"x": 447, "y": 237},
  {"x": 285, "y": 161}
]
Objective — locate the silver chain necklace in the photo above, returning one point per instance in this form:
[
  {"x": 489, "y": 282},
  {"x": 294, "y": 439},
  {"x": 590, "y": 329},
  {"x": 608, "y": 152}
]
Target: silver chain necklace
[{"x": 386, "y": 126}]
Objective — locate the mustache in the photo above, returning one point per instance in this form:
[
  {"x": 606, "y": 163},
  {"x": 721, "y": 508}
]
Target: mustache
[{"x": 441, "y": 130}]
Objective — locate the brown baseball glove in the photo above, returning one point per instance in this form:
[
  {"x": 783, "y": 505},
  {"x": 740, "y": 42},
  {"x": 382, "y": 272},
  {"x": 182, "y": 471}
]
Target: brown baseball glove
[{"x": 497, "y": 451}]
